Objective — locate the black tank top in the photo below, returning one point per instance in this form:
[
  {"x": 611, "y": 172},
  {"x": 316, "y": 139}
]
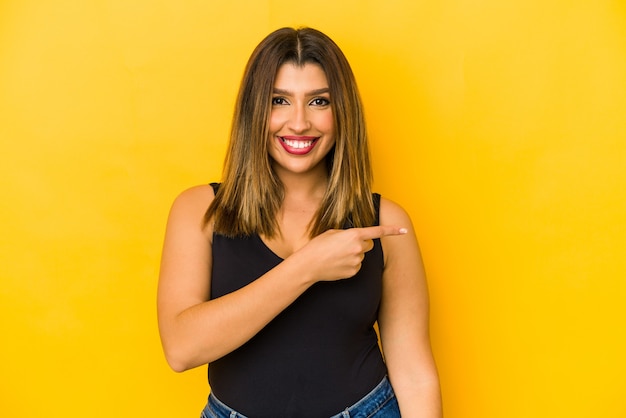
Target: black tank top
[{"x": 316, "y": 358}]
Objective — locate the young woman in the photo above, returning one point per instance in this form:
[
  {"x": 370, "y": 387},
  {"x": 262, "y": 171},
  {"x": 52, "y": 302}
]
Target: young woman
[{"x": 277, "y": 276}]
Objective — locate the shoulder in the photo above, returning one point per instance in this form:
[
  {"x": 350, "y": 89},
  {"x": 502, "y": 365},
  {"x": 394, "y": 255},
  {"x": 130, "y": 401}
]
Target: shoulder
[
  {"x": 391, "y": 213},
  {"x": 190, "y": 206},
  {"x": 201, "y": 195},
  {"x": 397, "y": 247}
]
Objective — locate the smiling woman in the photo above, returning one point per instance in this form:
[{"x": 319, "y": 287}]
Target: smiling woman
[{"x": 277, "y": 276}]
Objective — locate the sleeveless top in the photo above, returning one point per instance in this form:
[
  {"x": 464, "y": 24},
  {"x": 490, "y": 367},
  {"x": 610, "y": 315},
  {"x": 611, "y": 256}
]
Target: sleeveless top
[{"x": 317, "y": 357}]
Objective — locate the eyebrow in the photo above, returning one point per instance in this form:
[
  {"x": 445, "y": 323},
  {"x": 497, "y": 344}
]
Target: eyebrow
[{"x": 310, "y": 93}]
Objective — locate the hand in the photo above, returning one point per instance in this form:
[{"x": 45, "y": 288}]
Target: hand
[{"x": 338, "y": 253}]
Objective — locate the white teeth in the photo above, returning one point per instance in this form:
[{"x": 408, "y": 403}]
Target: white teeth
[{"x": 297, "y": 144}]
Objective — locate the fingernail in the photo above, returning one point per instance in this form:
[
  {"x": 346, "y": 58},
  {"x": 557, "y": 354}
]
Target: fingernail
[{"x": 403, "y": 230}]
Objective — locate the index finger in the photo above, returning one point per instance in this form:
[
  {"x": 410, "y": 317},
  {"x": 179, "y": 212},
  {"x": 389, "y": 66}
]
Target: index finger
[{"x": 373, "y": 232}]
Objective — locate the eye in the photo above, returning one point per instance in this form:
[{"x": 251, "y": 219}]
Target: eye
[
  {"x": 320, "y": 101},
  {"x": 278, "y": 101}
]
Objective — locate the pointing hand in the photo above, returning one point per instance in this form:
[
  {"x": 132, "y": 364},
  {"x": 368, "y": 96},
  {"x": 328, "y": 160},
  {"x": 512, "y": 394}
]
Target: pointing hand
[{"x": 338, "y": 253}]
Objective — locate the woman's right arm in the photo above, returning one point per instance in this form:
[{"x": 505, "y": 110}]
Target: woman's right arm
[{"x": 195, "y": 330}]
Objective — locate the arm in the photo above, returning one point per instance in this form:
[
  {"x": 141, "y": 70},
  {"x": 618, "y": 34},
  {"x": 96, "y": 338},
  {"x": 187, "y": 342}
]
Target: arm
[
  {"x": 403, "y": 321},
  {"x": 195, "y": 330}
]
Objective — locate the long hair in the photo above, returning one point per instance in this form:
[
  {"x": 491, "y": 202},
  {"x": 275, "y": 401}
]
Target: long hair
[{"x": 251, "y": 194}]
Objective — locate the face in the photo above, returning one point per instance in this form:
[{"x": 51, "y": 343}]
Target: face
[{"x": 301, "y": 120}]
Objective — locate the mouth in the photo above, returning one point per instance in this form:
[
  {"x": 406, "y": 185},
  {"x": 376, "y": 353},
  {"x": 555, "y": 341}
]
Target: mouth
[{"x": 298, "y": 145}]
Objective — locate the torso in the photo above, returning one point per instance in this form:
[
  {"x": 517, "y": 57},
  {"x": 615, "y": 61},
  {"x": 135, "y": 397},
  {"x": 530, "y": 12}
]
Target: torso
[{"x": 318, "y": 356}]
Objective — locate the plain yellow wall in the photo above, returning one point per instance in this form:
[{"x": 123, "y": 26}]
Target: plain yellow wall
[{"x": 500, "y": 126}]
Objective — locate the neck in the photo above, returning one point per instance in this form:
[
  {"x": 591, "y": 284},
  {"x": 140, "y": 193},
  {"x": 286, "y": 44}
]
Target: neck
[{"x": 306, "y": 186}]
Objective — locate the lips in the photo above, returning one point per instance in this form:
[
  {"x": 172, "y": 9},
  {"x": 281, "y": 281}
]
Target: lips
[{"x": 298, "y": 145}]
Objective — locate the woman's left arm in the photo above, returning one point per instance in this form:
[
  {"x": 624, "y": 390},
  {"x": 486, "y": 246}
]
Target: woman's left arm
[{"x": 403, "y": 320}]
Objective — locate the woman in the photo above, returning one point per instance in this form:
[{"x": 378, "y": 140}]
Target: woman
[{"x": 277, "y": 276}]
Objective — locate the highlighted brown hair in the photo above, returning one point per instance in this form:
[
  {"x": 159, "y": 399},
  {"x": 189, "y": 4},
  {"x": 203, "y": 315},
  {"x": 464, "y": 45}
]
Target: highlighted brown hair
[{"x": 251, "y": 194}]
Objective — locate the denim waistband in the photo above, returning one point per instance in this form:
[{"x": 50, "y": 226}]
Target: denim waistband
[
  {"x": 380, "y": 403},
  {"x": 216, "y": 409}
]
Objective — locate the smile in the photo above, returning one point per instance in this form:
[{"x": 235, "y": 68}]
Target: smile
[{"x": 298, "y": 145}]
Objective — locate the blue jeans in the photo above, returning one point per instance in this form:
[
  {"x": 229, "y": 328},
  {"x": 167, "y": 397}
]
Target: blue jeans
[{"x": 379, "y": 403}]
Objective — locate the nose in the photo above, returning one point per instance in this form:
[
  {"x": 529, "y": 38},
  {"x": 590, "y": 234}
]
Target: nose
[{"x": 299, "y": 119}]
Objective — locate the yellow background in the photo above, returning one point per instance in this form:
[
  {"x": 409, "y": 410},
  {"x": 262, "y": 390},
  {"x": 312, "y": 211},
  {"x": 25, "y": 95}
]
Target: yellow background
[{"x": 499, "y": 125}]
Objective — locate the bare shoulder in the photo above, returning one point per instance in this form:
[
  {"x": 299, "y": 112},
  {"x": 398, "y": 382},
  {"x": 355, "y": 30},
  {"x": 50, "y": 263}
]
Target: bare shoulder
[
  {"x": 397, "y": 248},
  {"x": 391, "y": 213},
  {"x": 201, "y": 195},
  {"x": 191, "y": 205}
]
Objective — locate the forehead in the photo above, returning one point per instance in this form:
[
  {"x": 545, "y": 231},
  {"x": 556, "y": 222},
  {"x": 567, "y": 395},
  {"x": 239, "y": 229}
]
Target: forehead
[{"x": 291, "y": 76}]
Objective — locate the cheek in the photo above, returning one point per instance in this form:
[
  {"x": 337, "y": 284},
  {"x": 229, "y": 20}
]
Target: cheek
[
  {"x": 327, "y": 123},
  {"x": 274, "y": 122},
  {"x": 278, "y": 118}
]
